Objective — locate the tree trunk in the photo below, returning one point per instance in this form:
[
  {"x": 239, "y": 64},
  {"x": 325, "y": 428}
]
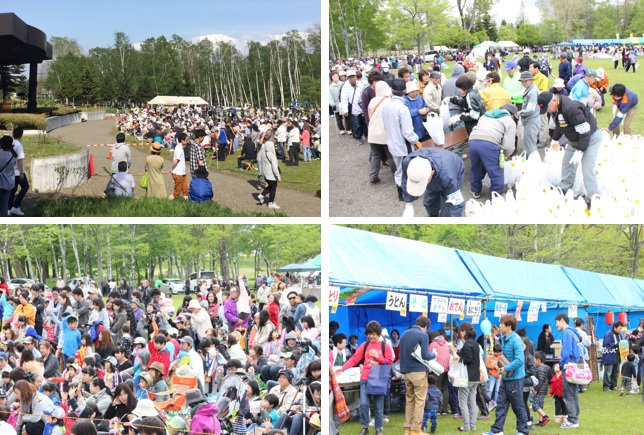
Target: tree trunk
[
  {"x": 108, "y": 254},
  {"x": 132, "y": 252},
  {"x": 24, "y": 244},
  {"x": 223, "y": 258},
  {"x": 53, "y": 253},
  {"x": 75, "y": 248},
  {"x": 63, "y": 251}
]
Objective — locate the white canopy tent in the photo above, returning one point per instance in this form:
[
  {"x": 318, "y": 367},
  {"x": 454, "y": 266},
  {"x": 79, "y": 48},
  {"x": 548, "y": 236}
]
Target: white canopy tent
[
  {"x": 508, "y": 44},
  {"x": 168, "y": 100}
]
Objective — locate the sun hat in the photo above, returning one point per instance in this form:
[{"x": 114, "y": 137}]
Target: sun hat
[
  {"x": 418, "y": 173},
  {"x": 157, "y": 366},
  {"x": 145, "y": 408},
  {"x": 558, "y": 83},
  {"x": 411, "y": 87},
  {"x": 526, "y": 75},
  {"x": 194, "y": 395},
  {"x": 194, "y": 304}
]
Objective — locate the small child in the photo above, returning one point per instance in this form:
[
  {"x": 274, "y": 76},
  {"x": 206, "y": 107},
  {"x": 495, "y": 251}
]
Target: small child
[
  {"x": 5, "y": 427},
  {"x": 200, "y": 186},
  {"x": 243, "y": 306},
  {"x": 493, "y": 382},
  {"x": 628, "y": 373},
  {"x": 139, "y": 346},
  {"x": 433, "y": 402},
  {"x": 126, "y": 341},
  {"x": 55, "y": 421},
  {"x": 543, "y": 374},
  {"x": 556, "y": 389},
  {"x": 50, "y": 390},
  {"x": 636, "y": 350}
]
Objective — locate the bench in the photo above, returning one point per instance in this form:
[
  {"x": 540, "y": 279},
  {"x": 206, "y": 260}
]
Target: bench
[{"x": 452, "y": 139}]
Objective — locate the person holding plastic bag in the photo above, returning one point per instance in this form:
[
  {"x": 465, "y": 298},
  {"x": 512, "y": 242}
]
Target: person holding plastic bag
[
  {"x": 491, "y": 140},
  {"x": 438, "y": 175},
  {"x": 470, "y": 357},
  {"x": 415, "y": 373},
  {"x": 574, "y": 120},
  {"x": 372, "y": 353},
  {"x": 512, "y": 373}
]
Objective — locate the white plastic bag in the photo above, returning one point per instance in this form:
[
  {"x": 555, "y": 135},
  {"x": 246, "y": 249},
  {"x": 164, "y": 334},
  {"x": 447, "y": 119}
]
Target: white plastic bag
[
  {"x": 444, "y": 112},
  {"x": 434, "y": 126}
]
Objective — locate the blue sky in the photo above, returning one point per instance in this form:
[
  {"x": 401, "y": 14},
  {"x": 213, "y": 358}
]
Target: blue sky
[{"x": 93, "y": 23}]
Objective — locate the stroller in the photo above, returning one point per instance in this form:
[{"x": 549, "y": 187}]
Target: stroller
[{"x": 233, "y": 405}]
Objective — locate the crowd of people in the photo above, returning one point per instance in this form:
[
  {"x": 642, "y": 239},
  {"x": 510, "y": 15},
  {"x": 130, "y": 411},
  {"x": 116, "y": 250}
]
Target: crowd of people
[
  {"x": 263, "y": 138},
  {"x": 495, "y": 103},
  {"x": 501, "y": 370},
  {"x": 108, "y": 357}
]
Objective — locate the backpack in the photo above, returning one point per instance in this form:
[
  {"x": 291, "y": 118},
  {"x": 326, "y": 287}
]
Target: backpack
[{"x": 314, "y": 312}]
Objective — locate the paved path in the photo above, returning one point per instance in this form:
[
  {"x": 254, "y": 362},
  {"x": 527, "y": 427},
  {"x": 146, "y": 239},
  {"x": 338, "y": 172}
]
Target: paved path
[
  {"x": 351, "y": 194},
  {"x": 230, "y": 191}
]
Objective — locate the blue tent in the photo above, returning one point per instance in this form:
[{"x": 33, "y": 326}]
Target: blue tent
[
  {"x": 362, "y": 259},
  {"x": 521, "y": 280}
]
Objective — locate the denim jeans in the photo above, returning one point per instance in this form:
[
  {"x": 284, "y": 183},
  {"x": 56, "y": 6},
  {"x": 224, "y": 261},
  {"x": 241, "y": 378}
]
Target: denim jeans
[
  {"x": 378, "y": 402},
  {"x": 493, "y": 387},
  {"x": 357, "y": 126},
  {"x": 280, "y": 151},
  {"x": 611, "y": 373},
  {"x": 588, "y": 163},
  {"x": 292, "y": 424},
  {"x": 307, "y": 153},
  {"x": 485, "y": 160},
  {"x": 510, "y": 394},
  {"x": 571, "y": 399}
]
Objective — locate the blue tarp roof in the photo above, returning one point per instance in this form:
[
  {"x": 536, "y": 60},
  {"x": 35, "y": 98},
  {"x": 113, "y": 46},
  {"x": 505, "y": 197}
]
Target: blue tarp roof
[
  {"x": 592, "y": 288},
  {"x": 625, "y": 290},
  {"x": 521, "y": 280},
  {"x": 364, "y": 259}
]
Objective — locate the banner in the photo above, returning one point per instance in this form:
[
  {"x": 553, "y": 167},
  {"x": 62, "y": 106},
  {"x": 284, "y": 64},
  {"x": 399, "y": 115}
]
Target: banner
[
  {"x": 439, "y": 304},
  {"x": 473, "y": 309},
  {"x": 500, "y": 309},
  {"x": 572, "y": 312},
  {"x": 396, "y": 301},
  {"x": 417, "y": 304},
  {"x": 456, "y": 306},
  {"x": 334, "y": 295},
  {"x": 533, "y": 311}
]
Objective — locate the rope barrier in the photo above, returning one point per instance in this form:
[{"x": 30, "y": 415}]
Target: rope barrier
[{"x": 100, "y": 419}]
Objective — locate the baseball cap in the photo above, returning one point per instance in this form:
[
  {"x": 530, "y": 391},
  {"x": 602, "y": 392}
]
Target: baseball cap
[
  {"x": 398, "y": 84},
  {"x": 600, "y": 73},
  {"x": 418, "y": 174},
  {"x": 187, "y": 340},
  {"x": 526, "y": 51},
  {"x": 140, "y": 340},
  {"x": 3, "y": 393},
  {"x": 54, "y": 412},
  {"x": 593, "y": 74},
  {"x": 351, "y": 73},
  {"x": 92, "y": 290},
  {"x": 181, "y": 318},
  {"x": 543, "y": 100},
  {"x": 4, "y": 356},
  {"x": 434, "y": 75},
  {"x": 286, "y": 373},
  {"x": 509, "y": 65},
  {"x": 510, "y": 108},
  {"x": 173, "y": 332}
]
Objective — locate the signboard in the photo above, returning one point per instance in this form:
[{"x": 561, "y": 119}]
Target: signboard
[
  {"x": 442, "y": 318},
  {"x": 500, "y": 309},
  {"x": 334, "y": 296},
  {"x": 533, "y": 311},
  {"x": 572, "y": 311},
  {"x": 473, "y": 309},
  {"x": 456, "y": 306},
  {"x": 439, "y": 304},
  {"x": 417, "y": 304},
  {"x": 396, "y": 301}
]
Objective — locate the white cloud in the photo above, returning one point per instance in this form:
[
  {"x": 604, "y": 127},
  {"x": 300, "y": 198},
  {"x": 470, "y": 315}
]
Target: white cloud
[
  {"x": 508, "y": 10},
  {"x": 241, "y": 43}
]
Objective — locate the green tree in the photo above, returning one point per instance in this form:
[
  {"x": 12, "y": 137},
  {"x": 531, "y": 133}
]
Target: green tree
[
  {"x": 529, "y": 35},
  {"x": 507, "y": 33}
]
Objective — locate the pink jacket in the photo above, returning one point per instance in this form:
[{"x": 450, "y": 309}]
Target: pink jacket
[
  {"x": 205, "y": 420},
  {"x": 441, "y": 349}
]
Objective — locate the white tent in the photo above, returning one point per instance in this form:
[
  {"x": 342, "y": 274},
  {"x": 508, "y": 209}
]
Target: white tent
[
  {"x": 508, "y": 44},
  {"x": 168, "y": 100}
]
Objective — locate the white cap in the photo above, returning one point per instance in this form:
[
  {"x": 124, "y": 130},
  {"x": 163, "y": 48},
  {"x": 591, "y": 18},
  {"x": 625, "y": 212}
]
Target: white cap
[
  {"x": 481, "y": 75},
  {"x": 600, "y": 73},
  {"x": 526, "y": 51},
  {"x": 419, "y": 173},
  {"x": 351, "y": 73},
  {"x": 384, "y": 65}
]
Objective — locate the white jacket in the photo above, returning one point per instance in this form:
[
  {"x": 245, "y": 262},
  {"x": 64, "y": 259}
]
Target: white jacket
[
  {"x": 377, "y": 133},
  {"x": 352, "y": 95}
]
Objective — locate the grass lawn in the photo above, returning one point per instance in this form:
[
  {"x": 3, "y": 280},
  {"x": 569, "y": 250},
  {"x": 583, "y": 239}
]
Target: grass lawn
[
  {"x": 601, "y": 413},
  {"x": 305, "y": 178},
  {"x": 634, "y": 82},
  {"x": 133, "y": 207},
  {"x": 37, "y": 146}
]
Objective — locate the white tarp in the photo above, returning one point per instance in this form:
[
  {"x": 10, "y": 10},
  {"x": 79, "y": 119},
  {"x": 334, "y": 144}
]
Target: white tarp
[
  {"x": 168, "y": 100},
  {"x": 508, "y": 44}
]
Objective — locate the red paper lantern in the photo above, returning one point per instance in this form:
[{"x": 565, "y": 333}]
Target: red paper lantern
[
  {"x": 622, "y": 318},
  {"x": 610, "y": 317}
]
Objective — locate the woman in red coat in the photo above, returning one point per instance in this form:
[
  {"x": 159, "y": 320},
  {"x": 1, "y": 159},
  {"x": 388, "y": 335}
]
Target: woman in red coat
[{"x": 274, "y": 309}]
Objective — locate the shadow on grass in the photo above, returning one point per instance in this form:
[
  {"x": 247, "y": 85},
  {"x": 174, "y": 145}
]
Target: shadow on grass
[{"x": 134, "y": 207}]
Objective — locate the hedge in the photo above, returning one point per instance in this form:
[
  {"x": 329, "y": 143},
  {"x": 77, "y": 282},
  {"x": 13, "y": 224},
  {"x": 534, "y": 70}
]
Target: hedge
[
  {"x": 52, "y": 111},
  {"x": 27, "y": 121}
]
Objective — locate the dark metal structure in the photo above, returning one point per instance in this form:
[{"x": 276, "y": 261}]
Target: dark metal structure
[{"x": 21, "y": 43}]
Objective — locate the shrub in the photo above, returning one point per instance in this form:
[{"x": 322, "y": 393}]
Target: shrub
[{"x": 27, "y": 121}]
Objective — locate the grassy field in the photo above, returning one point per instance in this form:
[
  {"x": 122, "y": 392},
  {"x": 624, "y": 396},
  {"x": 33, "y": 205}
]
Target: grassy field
[
  {"x": 44, "y": 146},
  {"x": 134, "y": 207},
  {"x": 601, "y": 413},
  {"x": 305, "y": 178},
  {"x": 634, "y": 82}
]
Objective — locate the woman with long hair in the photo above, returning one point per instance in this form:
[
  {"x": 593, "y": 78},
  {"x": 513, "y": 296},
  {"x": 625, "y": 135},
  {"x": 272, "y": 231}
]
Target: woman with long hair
[
  {"x": 32, "y": 407},
  {"x": 305, "y": 141},
  {"x": 265, "y": 328},
  {"x": 213, "y": 306},
  {"x": 86, "y": 347},
  {"x": 29, "y": 364},
  {"x": 274, "y": 308},
  {"x": 99, "y": 313},
  {"x": 100, "y": 394},
  {"x": 123, "y": 404},
  {"x": 105, "y": 347},
  {"x": 120, "y": 317},
  {"x": 470, "y": 357}
]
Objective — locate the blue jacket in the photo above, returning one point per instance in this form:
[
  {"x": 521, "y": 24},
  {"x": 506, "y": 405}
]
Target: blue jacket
[
  {"x": 200, "y": 190},
  {"x": 513, "y": 351},
  {"x": 565, "y": 71},
  {"x": 434, "y": 398},
  {"x": 416, "y": 118},
  {"x": 570, "y": 351},
  {"x": 408, "y": 342},
  {"x": 449, "y": 172},
  {"x": 71, "y": 339},
  {"x": 573, "y": 81},
  {"x": 627, "y": 102}
]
